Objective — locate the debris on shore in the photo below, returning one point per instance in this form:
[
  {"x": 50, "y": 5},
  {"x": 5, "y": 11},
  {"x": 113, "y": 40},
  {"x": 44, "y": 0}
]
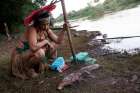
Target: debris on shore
[{"x": 78, "y": 75}]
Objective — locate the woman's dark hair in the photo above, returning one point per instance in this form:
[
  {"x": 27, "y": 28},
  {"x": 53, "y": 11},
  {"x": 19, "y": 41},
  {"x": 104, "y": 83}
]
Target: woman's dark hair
[{"x": 41, "y": 15}]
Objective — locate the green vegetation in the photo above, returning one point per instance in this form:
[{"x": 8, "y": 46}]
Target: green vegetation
[
  {"x": 116, "y": 5},
  {"x": 14, "y": 11},
  {"x": 108, "y": 6}
]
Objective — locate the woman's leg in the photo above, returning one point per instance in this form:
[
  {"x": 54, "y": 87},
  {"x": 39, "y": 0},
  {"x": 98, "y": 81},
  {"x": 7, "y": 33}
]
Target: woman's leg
[
  {"x": 17, "y": 64},
  {"x": 27, "y": 64},
  {"x": 36, "y": 61}
]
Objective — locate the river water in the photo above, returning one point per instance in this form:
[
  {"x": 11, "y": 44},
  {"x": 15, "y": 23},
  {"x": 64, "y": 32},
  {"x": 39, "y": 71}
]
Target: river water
[{"x": 120, "y": 24}]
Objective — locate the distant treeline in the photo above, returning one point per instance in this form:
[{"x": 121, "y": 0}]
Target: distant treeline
[{"x": 98, "y": 11}]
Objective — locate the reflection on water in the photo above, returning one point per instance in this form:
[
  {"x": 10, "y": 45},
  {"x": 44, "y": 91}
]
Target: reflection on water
[
  {"x": 130, "y": 44},
  {"x": 124, "y": 23},
  {"x": 127, "y": 44}
]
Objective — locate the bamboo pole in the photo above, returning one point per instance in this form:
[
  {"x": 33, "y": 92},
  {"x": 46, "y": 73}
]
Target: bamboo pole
[{"x": 68, "y": 30}]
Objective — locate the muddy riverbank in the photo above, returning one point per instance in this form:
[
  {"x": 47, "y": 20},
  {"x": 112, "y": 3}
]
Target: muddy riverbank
[{"x": 119, "y": 73}]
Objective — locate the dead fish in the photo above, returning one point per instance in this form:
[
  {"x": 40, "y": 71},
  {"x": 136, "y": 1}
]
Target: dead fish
[
  {"x": 69, "y": 79},
  {"x": 89, "y": 68},
  {"x": 76, "y": 76}
]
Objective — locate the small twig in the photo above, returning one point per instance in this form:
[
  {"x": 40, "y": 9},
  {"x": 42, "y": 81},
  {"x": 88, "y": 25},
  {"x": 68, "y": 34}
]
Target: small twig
[
  {"x": 54, "y": 2},
  {"x": 57, "y": 28}
]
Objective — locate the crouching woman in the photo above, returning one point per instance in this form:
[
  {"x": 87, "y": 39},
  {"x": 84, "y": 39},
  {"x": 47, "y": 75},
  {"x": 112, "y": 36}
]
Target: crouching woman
[{"x": 37, "y": 44}]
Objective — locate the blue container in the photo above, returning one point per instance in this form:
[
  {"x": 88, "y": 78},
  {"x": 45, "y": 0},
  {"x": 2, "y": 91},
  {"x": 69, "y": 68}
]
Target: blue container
[{"x": 58, "y": 64}]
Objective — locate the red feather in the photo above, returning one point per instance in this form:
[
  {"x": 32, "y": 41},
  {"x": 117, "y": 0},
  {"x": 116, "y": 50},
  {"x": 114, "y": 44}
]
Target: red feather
[{"x": 29, "y": 18}]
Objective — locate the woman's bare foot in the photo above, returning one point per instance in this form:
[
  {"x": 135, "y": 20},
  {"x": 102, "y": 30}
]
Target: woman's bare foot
[{"x": 32, "y": 73}]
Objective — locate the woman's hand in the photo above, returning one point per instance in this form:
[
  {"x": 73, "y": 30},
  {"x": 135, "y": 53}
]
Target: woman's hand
[
  {"x": 65, "y": 26},
  {"x": 50, "y": 44},
  {"x": 20, "y": 45}
]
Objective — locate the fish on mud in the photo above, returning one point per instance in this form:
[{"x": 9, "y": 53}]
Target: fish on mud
[{"x": 77, "y": 76}]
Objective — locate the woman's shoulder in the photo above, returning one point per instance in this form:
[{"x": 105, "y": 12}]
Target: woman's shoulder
[
  {"x": 30, "y": 28},
  {"x": 30, "y": 31}
]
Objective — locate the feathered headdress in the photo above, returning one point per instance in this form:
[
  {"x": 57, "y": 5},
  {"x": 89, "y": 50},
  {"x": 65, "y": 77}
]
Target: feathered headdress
[{"x": 34, "y": 13}]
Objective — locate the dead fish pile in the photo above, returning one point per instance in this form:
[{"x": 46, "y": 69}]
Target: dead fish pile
[{"x": 77, "y": 76}]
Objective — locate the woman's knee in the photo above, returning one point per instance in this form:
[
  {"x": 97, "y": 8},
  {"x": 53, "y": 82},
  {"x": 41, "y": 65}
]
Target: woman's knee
[{"x": 40, "y": 53}]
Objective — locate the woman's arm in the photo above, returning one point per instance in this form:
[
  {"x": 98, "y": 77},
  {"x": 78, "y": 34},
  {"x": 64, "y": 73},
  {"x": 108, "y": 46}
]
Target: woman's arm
[
  {"x": 32, "y": 38},
  {"x": 57, "y": 39}
]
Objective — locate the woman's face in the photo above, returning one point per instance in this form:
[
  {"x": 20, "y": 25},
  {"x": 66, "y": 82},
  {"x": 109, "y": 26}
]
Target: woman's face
[{"x": 44, "y": 26}]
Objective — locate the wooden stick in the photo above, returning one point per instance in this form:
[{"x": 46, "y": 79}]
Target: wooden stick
[
  {"x": 68, "y": 30},
  {"x": 120, "y": 37},
  {"x": 7, "y": 31},
  {"x": 54, "y": 2},
  {"x": 58, "y": 28}
]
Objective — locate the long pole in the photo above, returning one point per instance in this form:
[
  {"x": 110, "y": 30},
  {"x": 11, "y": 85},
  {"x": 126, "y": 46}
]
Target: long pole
[
  {"x": 120, "y": 37},
  {"x": 68, "y": 30}
]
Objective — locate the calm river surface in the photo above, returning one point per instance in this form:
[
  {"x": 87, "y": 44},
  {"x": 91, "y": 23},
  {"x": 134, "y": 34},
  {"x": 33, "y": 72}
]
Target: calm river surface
[{"x": 120, "y": 24}]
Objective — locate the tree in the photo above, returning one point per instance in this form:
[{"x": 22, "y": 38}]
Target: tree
[
  {"x": 40, "y": 2},
  {"x": 14, "y": 11}
]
